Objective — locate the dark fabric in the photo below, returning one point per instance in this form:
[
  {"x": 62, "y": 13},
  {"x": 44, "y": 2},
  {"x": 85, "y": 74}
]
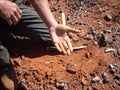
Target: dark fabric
[
  {"x": 30, "y": 25},
  {"x": 17, "y": 1},
  {"x": 4, "y": 59}
]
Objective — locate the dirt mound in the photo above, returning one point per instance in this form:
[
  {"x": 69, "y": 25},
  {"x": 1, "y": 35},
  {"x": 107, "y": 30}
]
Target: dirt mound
[{"x": 96, "y": 67}]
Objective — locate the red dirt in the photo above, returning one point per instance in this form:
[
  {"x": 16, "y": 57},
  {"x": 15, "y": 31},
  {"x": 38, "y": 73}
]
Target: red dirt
[{"x": 43, "y": 69}]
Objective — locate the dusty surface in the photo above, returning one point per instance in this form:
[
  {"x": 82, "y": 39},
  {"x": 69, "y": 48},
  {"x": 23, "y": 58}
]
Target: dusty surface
[{"x": 92, "y": 68}]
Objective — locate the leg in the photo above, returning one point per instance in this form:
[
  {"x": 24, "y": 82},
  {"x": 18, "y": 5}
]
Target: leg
[
  {"x": 7, "y": 74},
  {"x": 31, "y": 25}
]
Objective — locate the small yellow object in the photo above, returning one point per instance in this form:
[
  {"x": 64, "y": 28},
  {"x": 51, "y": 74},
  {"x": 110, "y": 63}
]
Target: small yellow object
[{"x": 63, "y": 18}]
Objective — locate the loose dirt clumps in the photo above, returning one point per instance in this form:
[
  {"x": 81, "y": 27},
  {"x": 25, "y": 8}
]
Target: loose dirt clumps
[{"x": 96, "y": 67}]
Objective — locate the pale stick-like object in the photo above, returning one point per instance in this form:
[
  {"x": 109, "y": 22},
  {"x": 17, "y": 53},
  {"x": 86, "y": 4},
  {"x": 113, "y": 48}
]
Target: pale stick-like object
[
  {"x": 63, "y": 18},
  {"x": 74, "y": 48}
]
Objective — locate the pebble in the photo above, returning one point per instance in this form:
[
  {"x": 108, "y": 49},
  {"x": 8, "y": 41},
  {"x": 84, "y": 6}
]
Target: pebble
[
  {"x": 86, "y": 37},
  {"x": 113, "y": 87},
  {"x": 101, "y": 40},
  {"x": 109, "y": 50},
  {"x": 109, "y": 40},
  {"x": 108, "y": 17},
  {"x": 22, "y": 86},
  {"x": 65, "y": 87},
  {"x": 92, "y": 31},
  {"x": 105, "y": 79},
  {"x": 96, "y": 79},
  {"x": 117, "y": 77},
  {"x": 62, "y": 85},
  {"x": 89, "y": 88},
  {"x": 71, "y": 70},
  {"x": 84, "y": 81},
  {"x": 18, "y": 62},
  {"x": 118, "y": 51},
  {"x": 104, "y": 31},
  {"x": 88, "y": 55},
  {"x": 100, "y": 9},
  {"x": 104, "y": 74},
  {"x": 113, "y": 70},
  {"x": 117, "y": 82},
  {"x": 53, "y": 9},
  {"x": 111, "y": 66}
]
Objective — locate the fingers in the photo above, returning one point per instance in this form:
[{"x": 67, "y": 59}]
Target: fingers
[
  {"x": 15, "y": 16},
  {"x": 69, "y": 44},
  {"x": 64, "y": 46},
  {"x": 60, "y": 48},
  {"x": 19, "y": 12}
]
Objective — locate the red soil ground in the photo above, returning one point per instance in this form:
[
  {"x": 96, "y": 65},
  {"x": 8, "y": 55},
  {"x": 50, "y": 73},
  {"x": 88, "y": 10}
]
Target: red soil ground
[{"x": 43, "y": 69}]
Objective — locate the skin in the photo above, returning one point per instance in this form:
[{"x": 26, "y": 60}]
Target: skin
[
  {"x": 11, "y": 13},
  {"x": 58, "y": 32}
]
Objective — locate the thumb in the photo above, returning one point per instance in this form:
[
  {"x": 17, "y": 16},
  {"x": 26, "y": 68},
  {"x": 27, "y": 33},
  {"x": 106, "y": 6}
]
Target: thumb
[{"x": 69, "y": 29}]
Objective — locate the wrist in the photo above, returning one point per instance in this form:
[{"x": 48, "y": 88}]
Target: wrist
[{"x": 53, "y": 27}]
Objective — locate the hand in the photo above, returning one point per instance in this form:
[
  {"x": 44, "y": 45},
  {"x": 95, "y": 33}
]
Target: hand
[
  {"x": 60, "y": 38},
  {"x": 10, "y": 12}
]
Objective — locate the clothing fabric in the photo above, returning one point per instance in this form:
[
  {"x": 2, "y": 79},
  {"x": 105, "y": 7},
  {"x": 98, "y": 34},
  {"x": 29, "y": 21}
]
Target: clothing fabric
[
  {"x": 4, "y": 60},
  {"x": 30, "y": 25}
]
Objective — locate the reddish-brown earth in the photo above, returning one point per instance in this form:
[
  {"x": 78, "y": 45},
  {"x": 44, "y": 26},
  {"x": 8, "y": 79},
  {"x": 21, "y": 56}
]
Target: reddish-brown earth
[{"x": 99, "y": 23}]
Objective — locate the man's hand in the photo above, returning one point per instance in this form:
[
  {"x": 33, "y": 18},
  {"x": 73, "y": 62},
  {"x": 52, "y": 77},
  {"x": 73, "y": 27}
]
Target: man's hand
[
  {"x": 60, "y": 38},
  {"x": 10, "y": 12}
]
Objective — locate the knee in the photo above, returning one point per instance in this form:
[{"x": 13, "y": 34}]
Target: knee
[{"x": 4, "y": 58}]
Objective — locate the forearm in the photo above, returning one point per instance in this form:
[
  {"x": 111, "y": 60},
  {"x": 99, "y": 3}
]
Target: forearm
[{"x": 43, "y": 9}]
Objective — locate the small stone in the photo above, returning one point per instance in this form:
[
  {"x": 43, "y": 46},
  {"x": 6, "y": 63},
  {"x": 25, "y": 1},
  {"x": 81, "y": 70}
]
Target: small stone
[
  {"x": 53, "y": 9},
  {"x": 108, "y": 17},
  {"x": 104, "y": 31},
  {"x": 104, "y": 74},
  {"x": 92, "y": 31},
  {"x": 105, "y": 79},
  {"x": 118, "y": 51},
  {"x": 112, "y": 70},
  {"x": 89, "y": 88},
  {"x": 96, "y": 79},
  {"x": 93, "y": 74},
  {"x": 71, "y": 70},
  {"x": 48, "y": 73},
  {"x": 22, "y": 86},
  {"x": 100, "y": 9},
  {"x": 65, "y": 87},
  {"x": 17, "y": 62},
  {"x": 111, "y": 66},
  {"x": 113, "y": 86},
  {"x": 87, "y": 37},
  {"x": 117, "y": 77},
  {"x": 22, "y": 57},
  {"x": 84, "y": 81},
  {"x": 68, "y": 18},
  {"x": 109, "y": 50},
  {"x": 88, "y": 55}
]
